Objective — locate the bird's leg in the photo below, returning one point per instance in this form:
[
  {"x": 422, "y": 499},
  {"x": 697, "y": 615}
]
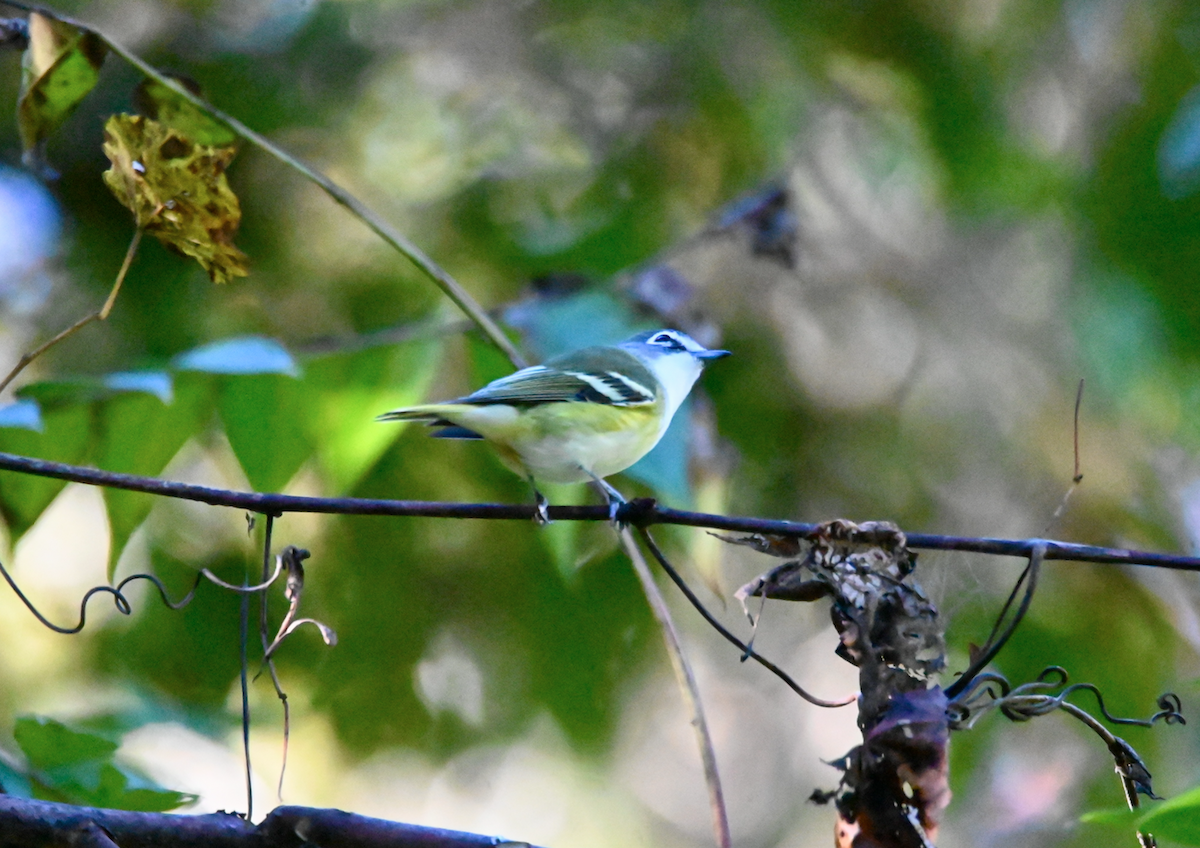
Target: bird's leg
[
  {"x": 541, "y": 514},
  {"x": 612, "y": 497}
]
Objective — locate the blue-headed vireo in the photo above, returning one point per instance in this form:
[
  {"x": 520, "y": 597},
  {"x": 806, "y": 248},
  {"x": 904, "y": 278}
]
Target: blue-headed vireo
[{"x": 580, "y": 416}]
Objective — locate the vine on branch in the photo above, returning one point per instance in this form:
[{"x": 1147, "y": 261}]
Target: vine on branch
[{"x": 895, "y": 785}]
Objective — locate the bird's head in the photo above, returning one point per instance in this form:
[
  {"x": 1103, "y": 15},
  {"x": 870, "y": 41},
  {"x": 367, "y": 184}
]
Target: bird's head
[
  {"x": 675, "y": 359},
  {"x": 656, "y": 344}
]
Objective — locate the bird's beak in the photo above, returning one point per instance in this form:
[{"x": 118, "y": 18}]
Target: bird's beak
[{"x": 709, "y": 354}]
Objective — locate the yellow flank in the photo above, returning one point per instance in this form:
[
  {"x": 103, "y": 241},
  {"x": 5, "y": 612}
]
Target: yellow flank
[{"x": 555, "y": 442}]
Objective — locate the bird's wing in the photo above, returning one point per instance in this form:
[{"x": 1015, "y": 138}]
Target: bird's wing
[{"x": 597, "y": 375}]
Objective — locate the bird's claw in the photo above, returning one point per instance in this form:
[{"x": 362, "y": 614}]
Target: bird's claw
[{"x": 541, "y": 513}]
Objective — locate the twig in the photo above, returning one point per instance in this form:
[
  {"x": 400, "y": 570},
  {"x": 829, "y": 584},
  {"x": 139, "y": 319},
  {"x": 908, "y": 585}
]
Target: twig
[
  {"x": 1038, "y": 698},
  {"x": 1077, "y": 477},
  {"x": 642, "y": 512},
  {"x": 100, "y": 315},
  {"x": 244, "y": 671},
  {"x": 1078, "y": 400},
  {"x": 687, "y": 683},
  {"x": 264, "y": 636},
  {"x": 451, "y": 287},
  {"x": 747, "y": 651},
  {"x": 995, "y": 644},
  {"x": 244, "y": 588}
]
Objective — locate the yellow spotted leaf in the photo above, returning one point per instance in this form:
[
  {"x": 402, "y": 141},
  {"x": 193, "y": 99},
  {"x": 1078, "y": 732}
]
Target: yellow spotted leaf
[
  {"x": 61, "y": 65},
  {"x": 177, "y": 191}
]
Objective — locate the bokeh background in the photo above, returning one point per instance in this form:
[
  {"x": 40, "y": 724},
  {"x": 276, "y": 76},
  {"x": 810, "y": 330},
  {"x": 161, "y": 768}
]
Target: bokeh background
[{"x": 917, "y": 225}]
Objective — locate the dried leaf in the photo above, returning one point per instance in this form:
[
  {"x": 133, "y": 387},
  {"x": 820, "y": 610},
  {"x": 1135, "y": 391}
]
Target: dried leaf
[
  {"x": 177, "y": 191},
  {"x": 770, "y": 218},
  {"x": 765, "y": 543},
  {"x": 61, "y": 65},
  {"x": 792, "y": 581},
  {"x": 894, "y": 785},
  {"x": 328, "y": 635}
]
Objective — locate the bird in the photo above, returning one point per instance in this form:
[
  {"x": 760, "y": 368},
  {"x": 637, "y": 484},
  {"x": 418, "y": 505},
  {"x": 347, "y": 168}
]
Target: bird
[{"x": 584, "y": 415}]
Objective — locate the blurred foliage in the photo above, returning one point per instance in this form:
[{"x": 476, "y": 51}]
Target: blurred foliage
[
  {"x": 916, "y": 224},
  {"x": 64, "y": 764}
]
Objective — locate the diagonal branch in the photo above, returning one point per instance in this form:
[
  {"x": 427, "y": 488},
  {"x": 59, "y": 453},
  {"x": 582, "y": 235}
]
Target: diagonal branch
[
  {"x": 397, "y": 240},
  {"x": 747, "y": 651},
  {"x": 687, "y": 684},
  {"x": 99, "y": 315}
]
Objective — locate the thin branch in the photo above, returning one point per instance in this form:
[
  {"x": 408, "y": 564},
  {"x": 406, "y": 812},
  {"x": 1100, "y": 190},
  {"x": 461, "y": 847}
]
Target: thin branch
[
  {"x": 687, "y": 683},
  {"x": 1077, "y": 478},
  {"x": 995, "y": 644},
  {"x": 99, "y": 315},
  {"x": 642, "y": 512},
  {"x": 986, "y": 692},
  {"x": 243, "y": 656},
  {"x": 1078, "y": 401},
  {"x": 747, "y": 651},
  {"x": 264, "y": 636},
  {"x": 440, "y": 277},
  {"x": 243, "y": 589}
]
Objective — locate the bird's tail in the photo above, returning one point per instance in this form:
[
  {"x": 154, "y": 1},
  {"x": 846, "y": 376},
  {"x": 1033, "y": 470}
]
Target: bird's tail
[
  {"x": 433, "y": 415},
  {"x": 428, "y": 414}
]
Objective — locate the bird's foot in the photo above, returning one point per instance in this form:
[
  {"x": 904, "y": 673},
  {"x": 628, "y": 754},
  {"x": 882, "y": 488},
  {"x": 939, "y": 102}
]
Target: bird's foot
[
  {"x": 541, "y": 513},
  {"x": 615, "y": 500}
]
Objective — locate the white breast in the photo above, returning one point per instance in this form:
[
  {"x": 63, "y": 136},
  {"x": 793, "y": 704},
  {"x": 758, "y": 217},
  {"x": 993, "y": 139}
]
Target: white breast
[{"x": 677, "y": 372}]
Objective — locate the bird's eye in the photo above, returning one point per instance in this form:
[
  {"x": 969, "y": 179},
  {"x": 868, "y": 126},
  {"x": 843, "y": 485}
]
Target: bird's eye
[{"x": 667, "y": 340}]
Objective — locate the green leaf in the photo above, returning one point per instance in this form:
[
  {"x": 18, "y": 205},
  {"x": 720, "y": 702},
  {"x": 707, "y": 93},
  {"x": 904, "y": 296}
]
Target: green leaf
[
  {"x": 60, "y": 67},
  {"x": 264, "y": 417},
  {"x": 136, "y": 422},
  {"x": 1177, "y": 819},
  {"x": 76, "y": 766},
  {"x": 241, "y": 355},
  {"x": 139, "y": 431},
  {"x": 349, "y": 390},
  {"x": 558, "y": 323},
  {"x": 162, "y": 104},
  {"x": 65, "y": 437},
  {"x": 157, "y": 383},
  {"x": 50, "y": 394},
  {"x": 1122, "y": 817},
  {"x": 118, "y": 789},
  {"x": 51, "y": 745},
  {"x": 23, "y": 414}
]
